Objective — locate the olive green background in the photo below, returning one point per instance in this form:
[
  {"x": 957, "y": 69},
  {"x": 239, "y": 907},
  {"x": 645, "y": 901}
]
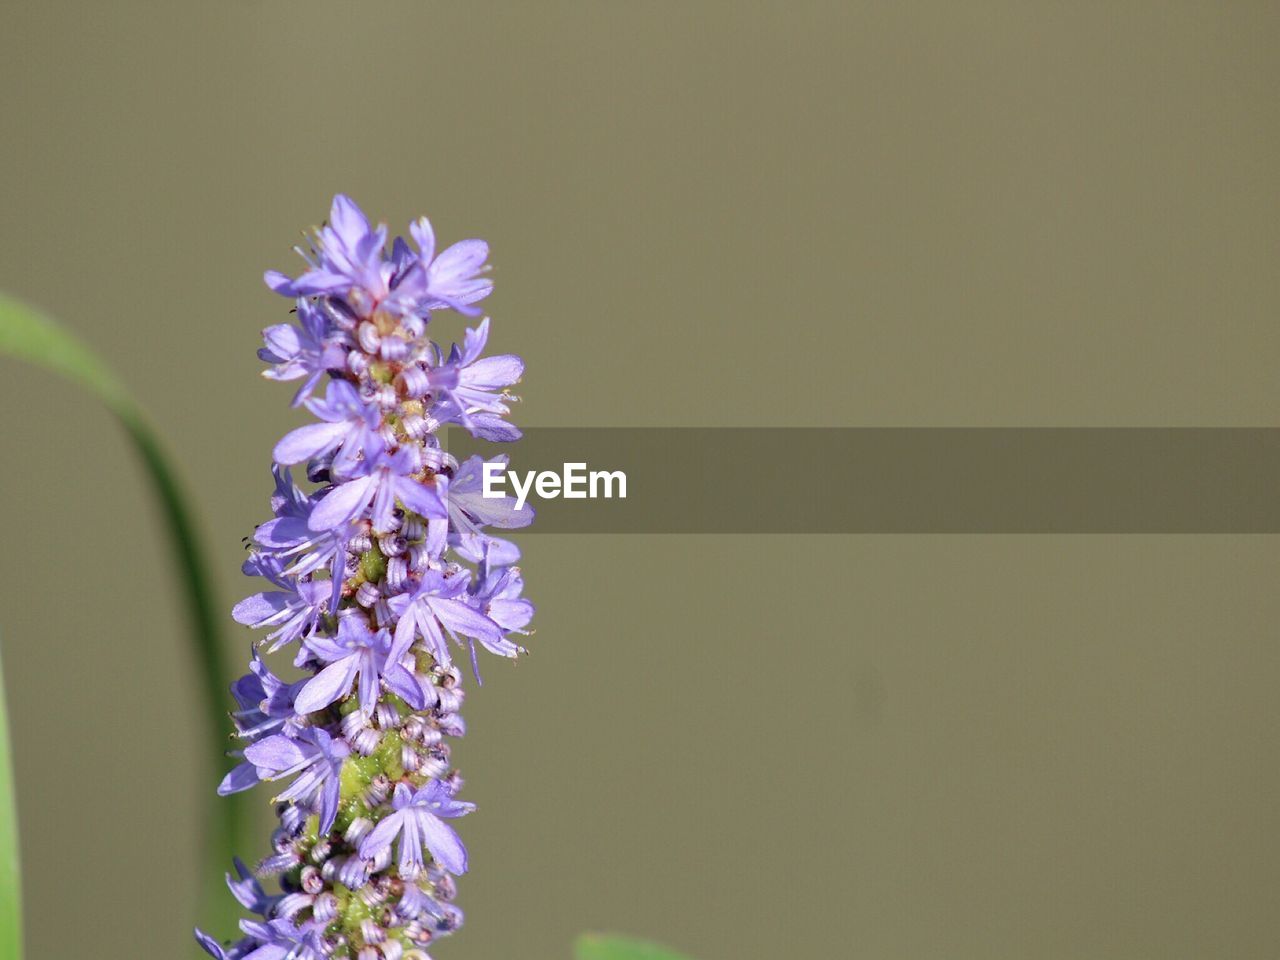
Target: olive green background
[{"x": 701, "y": 214}]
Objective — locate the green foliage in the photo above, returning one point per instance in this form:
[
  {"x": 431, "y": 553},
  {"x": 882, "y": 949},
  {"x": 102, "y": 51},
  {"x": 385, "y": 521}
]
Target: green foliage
[
  {"x": 28, "y": 335},
  {"x": 597, "y": 946}
]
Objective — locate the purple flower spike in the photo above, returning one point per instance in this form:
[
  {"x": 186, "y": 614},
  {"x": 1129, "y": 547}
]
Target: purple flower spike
[{"x": 372, "y": 570}]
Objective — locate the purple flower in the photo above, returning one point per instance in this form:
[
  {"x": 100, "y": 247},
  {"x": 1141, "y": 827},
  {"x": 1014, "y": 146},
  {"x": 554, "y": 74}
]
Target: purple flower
[
  {"x": 265, "y": 701},
  {"x": 472, "y": 389},
  {"x": 470, "y": 511},
  {"x": 453, "y": 278},
  {"x": 438, "y": 605},
  {"x": 357, "y": 650},
  {"x": 237, "y": 951},
  {"x": 367, "y": 575},
  {"x": 418, "y": 822},
  {"x": 295, "y": 610},
  {"x": 376, "y": 494},
  {"x": 289, "y": 537},
  {"x": 282, "y": 940},
  {"x": 302, "y": 351},
  {"x": 348, "y": 259},
  {"x": 350, "y": 426},
  {"x": 496, "y": 594},
  {"x": 315, "y": 757},
  {"x": 346, "y": 253},
  {"x": 248, "y": 891},
  {"x": 416, "y": 904},
  {"x": 266, "y": 708}
]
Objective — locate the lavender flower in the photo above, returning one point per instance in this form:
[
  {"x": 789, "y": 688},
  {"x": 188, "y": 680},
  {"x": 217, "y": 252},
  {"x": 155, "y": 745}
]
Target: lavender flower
[
  {"x": 473, "y": 390},
  {"x": 302, "y": 351},
  {"x": 438, "y": 606},
  {"x": 366, "y": 576},
  {"x": 359, "y": 651},
  {"x": 388, "y": 479},
  {"x": 350, "y": 427},
  {"x": 470, "y": 512},
  {"x": 418, "y": 822},
  {"x": 294, "y": 610}
]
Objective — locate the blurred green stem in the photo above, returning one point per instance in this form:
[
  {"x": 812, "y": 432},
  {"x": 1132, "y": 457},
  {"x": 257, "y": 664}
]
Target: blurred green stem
[
  {"x": 29, "y": 335},
  {"x": 10, "y": 870}
]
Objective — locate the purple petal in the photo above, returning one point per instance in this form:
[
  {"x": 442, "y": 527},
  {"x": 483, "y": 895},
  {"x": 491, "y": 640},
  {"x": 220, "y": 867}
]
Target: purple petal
[
  {"x": 307, "y": 442},
  {"x": 488, "y": 426},
  {"x": 275, "y": 753},
  {"x": 252, "y": 611},
  {"x": 342, "y": 504},
  {"x": 402, "y": 683},
  {"x": 381, "y": 836},
  {"x": 279, "y": 283},
  {"x": 460, "y": 618},
  {"x": 328, "y": 685},
  {"x": 284, "y": 532},
  {"x": 283, "y": 339},
  {"x": 424, "y": 237},
  {"x": 368, "y": 689},
  {"x": 443, "y": 842},
  {"x": 421, "y": 498},
  {"x": 457, "y": 262},
  {"x": 212, "y": 946},
  {"x": 411, "y": 843},
  {"x": 511, "y": 614},
  {"x": 494, "y": 373},
  {"x": 346, "y": 217},
  {"x": 329, "y": 797},
  {"x": 244, "y": 776}
]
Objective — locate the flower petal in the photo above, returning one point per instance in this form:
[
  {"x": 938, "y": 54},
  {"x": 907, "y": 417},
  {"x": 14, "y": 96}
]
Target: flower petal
[
  {"x": 275, "y": 754},
  {"x": 308, "y": 441},
  {"x": 443, "y": 842},
  {"x": 421, "y": 498},
  {"x": 328, "y": 685},
  {"x": 251, "y": 611},
  {"x": 381, "y": 836},
  {"x": 342, "y": 504},
  {"x": 244, "y": 776}
]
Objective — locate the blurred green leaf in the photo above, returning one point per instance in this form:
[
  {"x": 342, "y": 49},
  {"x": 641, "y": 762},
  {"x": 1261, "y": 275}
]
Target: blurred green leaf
[
  {"x": 10, "y": 872},
  {"x": 28, "y": 335},
  {"x": 598, "y": 946}
]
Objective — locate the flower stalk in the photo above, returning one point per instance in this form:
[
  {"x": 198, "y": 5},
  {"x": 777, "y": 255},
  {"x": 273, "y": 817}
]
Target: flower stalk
[{"x": 378, "y": 577}]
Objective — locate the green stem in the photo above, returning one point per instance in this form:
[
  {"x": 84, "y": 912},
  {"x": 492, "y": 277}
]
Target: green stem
[
  {"x": 10, "y": 871},
  {"x": 29, "y": 335}
]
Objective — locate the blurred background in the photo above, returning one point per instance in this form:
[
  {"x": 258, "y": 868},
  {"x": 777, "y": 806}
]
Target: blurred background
[{"x": 701, "y": 214}]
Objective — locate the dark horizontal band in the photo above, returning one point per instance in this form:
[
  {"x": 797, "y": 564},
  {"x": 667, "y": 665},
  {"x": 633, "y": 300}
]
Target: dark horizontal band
[{"x": 907, "y": 480}]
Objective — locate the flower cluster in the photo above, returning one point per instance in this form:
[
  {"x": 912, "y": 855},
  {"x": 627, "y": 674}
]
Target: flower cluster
[{"x": 377, "y": 578}]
